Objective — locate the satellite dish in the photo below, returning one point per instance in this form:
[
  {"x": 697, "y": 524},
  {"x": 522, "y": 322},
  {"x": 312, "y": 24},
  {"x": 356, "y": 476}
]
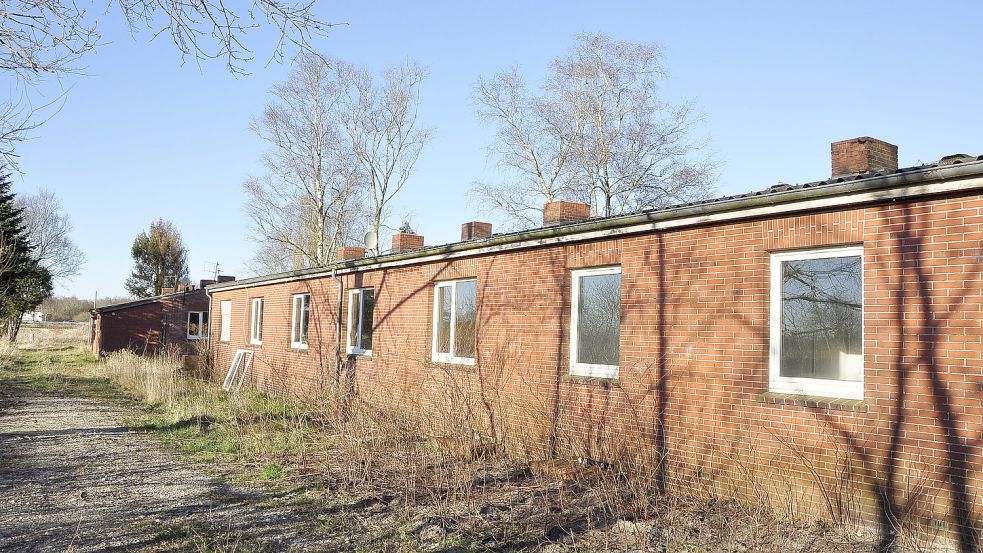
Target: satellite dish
[
  {"x": 370, "y": 241},
  {"x": 185, "y": 281}
]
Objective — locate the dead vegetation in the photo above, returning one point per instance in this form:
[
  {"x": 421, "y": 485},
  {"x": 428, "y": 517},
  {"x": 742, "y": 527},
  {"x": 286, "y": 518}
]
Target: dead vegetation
[
  {"x": 391, "y": 480},
  {"x": 406, "y": 483}
]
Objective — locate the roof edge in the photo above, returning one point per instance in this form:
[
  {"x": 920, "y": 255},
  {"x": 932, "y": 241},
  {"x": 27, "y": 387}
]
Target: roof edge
[
  {"x": 142, "y": 301},
  {"x": 810, "y": 191}
]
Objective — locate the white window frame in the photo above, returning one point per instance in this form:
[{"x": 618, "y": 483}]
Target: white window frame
[
  {"x": 589, "y": 370},
  {"x": 296, "y": 320},
  {"x": 256, "y": 322},
  {"x": 439, "y": 357},
  {"x": 225, "y": 335},
  {"x": 353, "y": 349},
  {"x": 809, "y": 386},
  {"x": 202, "y": 333}
]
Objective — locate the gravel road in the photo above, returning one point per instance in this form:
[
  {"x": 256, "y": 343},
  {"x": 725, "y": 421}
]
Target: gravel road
[{"x": 73, "y": 479}]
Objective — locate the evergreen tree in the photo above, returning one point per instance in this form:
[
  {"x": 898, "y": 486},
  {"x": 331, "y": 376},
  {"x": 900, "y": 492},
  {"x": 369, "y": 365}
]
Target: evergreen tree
[
  {"x": 24, "y": 283},
  {"x": 159, "y": 260}
]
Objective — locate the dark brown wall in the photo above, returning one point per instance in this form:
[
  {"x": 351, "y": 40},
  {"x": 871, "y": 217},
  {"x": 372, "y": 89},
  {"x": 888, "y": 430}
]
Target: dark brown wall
[{"x": 150, "y": 327}]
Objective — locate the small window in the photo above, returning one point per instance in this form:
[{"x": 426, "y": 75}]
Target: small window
[
  {"x": 299, "y": 321},
  {"x": 197, "y": 325},
  {"x": 817, "y": 322},
  {"x": 361, "y": 305},
  {"x": 256, "y": 322},
  {"x": 226, "y": 332},
  {"x": 595, "y": 330},
  {"x": 455, "y": 312}
]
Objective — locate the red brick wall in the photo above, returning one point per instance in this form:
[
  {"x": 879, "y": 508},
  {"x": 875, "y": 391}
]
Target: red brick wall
[
  {"x": 860, "y": 155},
  {"x": 148, "y": 327},
  {"x": 694, "y": 358}
]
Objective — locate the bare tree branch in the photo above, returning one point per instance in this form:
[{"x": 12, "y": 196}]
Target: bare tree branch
[
  {"x": 49, "y": 231},
  {"x": 597, "y": 132}
]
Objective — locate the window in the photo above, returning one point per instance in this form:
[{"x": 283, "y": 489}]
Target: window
[
  {"x": 197, "y": 325},
  {"x": 361, "y": 304},
  {"x": 299, "y": 321},
  {"x": 226, "y": 332},
  {"x": 455, "y": 311},
  {"x": 817, "y": 322},
  {"x": 256, "y": 322},
  {"x": 595, "y": 329}
]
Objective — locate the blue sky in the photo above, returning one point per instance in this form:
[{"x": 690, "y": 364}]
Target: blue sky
[{"x": 143, "y": 136}]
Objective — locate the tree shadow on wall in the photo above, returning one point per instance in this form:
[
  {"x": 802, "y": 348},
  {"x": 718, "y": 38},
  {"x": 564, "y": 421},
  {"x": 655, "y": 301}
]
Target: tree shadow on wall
[{"x": 920, "y": 322}]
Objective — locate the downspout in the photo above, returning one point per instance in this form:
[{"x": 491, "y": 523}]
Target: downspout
[
  {"x": 337, "y": 342},
  {"x": 208, "y": 341}
]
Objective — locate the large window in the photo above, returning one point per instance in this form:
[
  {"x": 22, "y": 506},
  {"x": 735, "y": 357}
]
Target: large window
[
  {"x": 455, "y": 311},
  {"x": 595, "y": 330},
  {"x": 361, "y": 304},
  {"x": 817, "y": 322},
  {"x": 256, "y": 322},
  {"x": 226, "y": 333},
  {"x": 299, "y": 321},
  {"x": 197, "y": 325}
]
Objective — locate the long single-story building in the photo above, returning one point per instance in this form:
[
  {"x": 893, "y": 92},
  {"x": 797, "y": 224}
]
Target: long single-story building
[
  {"x": 175, "y": 321},
  {"x": 817, "y": 344}
]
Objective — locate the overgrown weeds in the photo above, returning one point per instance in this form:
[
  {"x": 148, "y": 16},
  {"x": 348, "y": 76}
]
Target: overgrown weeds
[{"x": 394, "y": 480}]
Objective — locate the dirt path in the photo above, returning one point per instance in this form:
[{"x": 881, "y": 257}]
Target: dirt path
[{"x": 73, "y": 479}]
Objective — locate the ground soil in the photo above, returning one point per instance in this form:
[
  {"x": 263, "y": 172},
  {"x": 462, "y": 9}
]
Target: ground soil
[{"x": 72, "y": 478}]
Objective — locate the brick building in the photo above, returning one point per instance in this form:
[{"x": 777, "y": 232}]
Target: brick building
[
  {"x": 174, "y": 320},
  {"x": 818, "y": 344}
]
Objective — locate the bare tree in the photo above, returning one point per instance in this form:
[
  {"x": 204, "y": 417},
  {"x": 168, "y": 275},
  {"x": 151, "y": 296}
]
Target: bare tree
[
  {"x": 536, "y": 140},
  {"x": 597, "y": 132},
  {"x": 49, "y": 232},
  {"x": 309, "y": 202},
  {"x": 40, "y": 38},
  {"x": 381, "y": 122}
]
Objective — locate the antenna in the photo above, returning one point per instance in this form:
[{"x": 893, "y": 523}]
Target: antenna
[
  {"x": 370, "y": 242},
  {"x": 208, "y": 266}
]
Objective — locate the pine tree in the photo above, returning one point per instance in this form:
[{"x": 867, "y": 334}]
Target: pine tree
[
  {"x": 24, "y": 284},
  {"x": 159, "y": 260}
]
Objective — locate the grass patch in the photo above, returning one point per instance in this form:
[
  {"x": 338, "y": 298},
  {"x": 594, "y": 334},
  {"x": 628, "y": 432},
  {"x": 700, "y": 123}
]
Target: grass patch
[
  {"x": 272, "y": 471},
  {"x": 192, "y": 538}
]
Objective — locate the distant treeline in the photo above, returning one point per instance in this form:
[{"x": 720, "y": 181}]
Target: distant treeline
[{"x": 70, "y": 308}]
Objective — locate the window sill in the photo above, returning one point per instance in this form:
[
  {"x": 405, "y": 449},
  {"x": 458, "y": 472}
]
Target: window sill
[
  {"x": 613, "y": 382},
  {"x": 462, "y": 367},
  {"x": 816, "y": 402}
]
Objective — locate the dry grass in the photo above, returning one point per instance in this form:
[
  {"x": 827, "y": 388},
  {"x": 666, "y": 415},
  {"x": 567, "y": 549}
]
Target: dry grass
[
  {"x": 396, "y": 470},
  {"x": 397, "y": 481}
]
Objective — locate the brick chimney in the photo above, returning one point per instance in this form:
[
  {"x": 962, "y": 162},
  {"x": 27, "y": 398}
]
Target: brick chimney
[
  {"x": 167, "y": 290},
  {"x": 558, "y": 213},
  {"x": 347, "y": 253},
  {"x": 405, "y": 242},
  {"x": 205, "y": 282},
  {"x": 475, "y": 230},
  {"x": 226, "y": 278},
  {"x": 863, "y": 155}
]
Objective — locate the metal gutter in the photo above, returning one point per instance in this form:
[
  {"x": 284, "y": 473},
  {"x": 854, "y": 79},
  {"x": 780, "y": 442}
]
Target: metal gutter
[{"x": 842, "y": 192}]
